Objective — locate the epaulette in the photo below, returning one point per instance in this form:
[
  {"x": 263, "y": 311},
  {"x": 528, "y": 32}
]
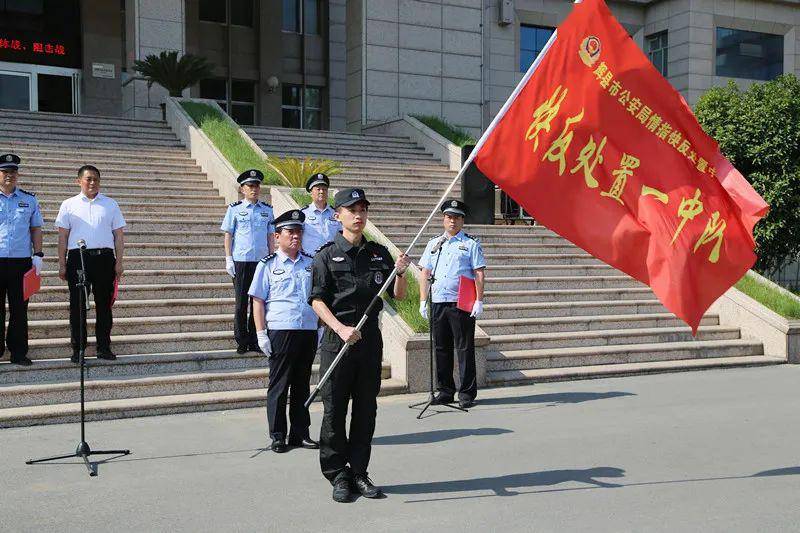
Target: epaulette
[
  {"x": 270, "y": 256},
  {"x": 476, "y": 239},
  {"x": 323, "y": 247},
  {"x": 305, "y": 207},
  {"x": 307, "y": 255},
  {"x": 265, "y": 203},
  {"x": 26, "y": 192},
  {"x": 234, "y": 204}
]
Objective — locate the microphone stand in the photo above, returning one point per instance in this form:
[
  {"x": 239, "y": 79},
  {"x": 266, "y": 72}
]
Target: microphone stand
[
  {"x": 432, "y": 339},
  {"x": 83, "y": 450}
]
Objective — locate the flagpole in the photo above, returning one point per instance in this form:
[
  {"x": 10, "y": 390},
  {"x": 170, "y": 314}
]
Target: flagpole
[{"x": 467, "y": 163}]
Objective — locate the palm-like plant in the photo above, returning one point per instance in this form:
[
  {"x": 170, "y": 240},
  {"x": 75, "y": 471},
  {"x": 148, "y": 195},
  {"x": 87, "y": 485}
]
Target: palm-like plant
[
  {"x": 172, "y": 73},
  {"x": 297, "y": 171}
]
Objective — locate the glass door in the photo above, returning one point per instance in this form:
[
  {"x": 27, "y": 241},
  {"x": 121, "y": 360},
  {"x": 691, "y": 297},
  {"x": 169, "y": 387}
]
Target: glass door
[
  {"x": 39, "y": 88},
  {"x": 15, "y": 90}
]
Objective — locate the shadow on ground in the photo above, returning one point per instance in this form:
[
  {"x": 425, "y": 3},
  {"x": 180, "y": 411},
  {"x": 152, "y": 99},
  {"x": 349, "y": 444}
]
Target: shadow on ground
[
  {"x": 554, "y": 398},
  {"x": 439, "y": 435}
]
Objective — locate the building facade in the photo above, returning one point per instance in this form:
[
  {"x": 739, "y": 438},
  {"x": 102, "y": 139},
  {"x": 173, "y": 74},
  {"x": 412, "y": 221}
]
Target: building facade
[{"x": 342, "y": 64}]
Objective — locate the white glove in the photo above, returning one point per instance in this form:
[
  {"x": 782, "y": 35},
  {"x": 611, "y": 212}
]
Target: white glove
[
  {"x": 423, "y": 309},
  {"x": 263, "y": 342},
  {"x": 477, "y": 309},
  {"x": 37, "y": 264},
  {"x": 229, "y": 266}
]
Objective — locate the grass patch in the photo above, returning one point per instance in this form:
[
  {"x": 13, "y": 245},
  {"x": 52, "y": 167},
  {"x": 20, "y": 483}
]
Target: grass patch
[
  {"x": 226, "y": 138},
  {"x": 769, "y": 296},
  {"x": 454, "y": 134}
]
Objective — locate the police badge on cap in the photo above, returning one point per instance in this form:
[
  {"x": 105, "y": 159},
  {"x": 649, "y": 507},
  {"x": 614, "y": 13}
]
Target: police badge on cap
[
  {"x": 454, "y": 207},
  {"x": 9, "y": 161},
  {"x": 290, "y": 219},
  {"x": 250, "y": 176}
]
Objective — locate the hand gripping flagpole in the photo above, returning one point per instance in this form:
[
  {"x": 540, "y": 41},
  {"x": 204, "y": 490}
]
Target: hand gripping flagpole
[{"x": 447, "y": 191}]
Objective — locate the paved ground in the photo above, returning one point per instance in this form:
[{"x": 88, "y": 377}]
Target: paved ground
[{"x": 703, "y": 451}]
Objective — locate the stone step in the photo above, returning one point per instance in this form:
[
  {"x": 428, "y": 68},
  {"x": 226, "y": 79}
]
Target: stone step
[
  {"x": 528, "y": 376},
  {"x": 144, "y": 386},
  {"x": 622, "y": 353},
  {"x": 559, "y": 282},
  {"x": 190, "y": 197},
  {"x": 151, "y": 406},
  {"x": 496, "y": 246},
  {"x": 507, "y": 326},
  {"x": 114, "y": 186},
  {"x": 137, "y": 223},
  {"x": 503, "y": 344},
  {"x": 59, "y": 347},
  {"x": 566, "y": 295},
  {"x": 66, "y": 179},
  {"x": 59, "y": 310},
  {"x": 83, "y": 120},
  {"x": 45, "y": 154},
  {"x": 393, "y": 176},
  {"x": 526, "y": 259},
  {"x": 212, "y": 235},
  {"x": 148, "y": 291},
  {"x": 89, "y": 151},
  {"x": 136, "y": 249},
  {"x": 379, "y": 184},
  {"x": 218, "y": 208},
  {"x": 391, "y": 226},
  {"x": 315, "y": 134},
  {"x": 512, "y": 238},
  {"x": 550, "y": 270},
  {"x": 330, "y": 140},
  {"x": 579, "y": 308},
  {"x": 321, "y": 146},
  {"x": 132, "y": 163},
  {"x": 145, "y": 141},
  {"x": 46, "y": 129},
  {"x": 143, "y": 276},
  {"x": 349, "y": 156},
  {"x": 43, "y": 329}
]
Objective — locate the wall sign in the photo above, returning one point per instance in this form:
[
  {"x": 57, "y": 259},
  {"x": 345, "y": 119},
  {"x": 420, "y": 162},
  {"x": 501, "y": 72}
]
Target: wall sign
[{"x": 103, "y": 70}]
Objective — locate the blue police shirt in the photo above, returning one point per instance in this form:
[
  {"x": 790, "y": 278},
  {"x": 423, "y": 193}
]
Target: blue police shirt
[
  {"x": 460, "y": 256},
  {"x": 319, "y": 228},
  {"x": 250, "y": 225},
  {"x": 19, "y": 212},
  {"x": 285, "y": 285}
]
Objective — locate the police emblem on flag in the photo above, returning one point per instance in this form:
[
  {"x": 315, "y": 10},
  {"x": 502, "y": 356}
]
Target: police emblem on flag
[{"x": 378, "y": 277}]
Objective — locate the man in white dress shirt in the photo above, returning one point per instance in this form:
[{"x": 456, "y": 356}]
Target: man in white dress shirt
[{"x": 96, "y": 219}]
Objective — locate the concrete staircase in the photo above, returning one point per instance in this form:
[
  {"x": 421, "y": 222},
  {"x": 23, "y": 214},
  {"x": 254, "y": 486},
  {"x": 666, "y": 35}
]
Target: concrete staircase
[
  {"x": 553, "y": 312},
  {"x": 173, "y": 319}
]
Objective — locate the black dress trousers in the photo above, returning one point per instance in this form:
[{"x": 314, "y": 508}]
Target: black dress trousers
[
  {"x": 12, "y": 270},
  {"x": 454, "y": 330},
  {"x": 244, "y": 328},
  {"x": 290, "y": 363},
  {"x": 100, "y": 264},
  {"x": 357, "y": 377}
]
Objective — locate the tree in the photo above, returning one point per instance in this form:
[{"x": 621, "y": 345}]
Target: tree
[
  {"x": 758, "y": 130},
  {"x": 172, "y": 73}
]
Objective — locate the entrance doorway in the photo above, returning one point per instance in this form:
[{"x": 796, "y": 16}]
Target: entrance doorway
[{"x": 39, "y": 88}]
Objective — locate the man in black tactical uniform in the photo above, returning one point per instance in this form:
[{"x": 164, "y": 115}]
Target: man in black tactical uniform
[{"x": 347, "y": 274}]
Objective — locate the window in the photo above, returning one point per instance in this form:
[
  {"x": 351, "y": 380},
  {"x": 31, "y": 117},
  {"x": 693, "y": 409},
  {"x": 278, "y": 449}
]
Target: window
[
  {"x": 531, "y": 41},
  {"x": 657, "y": 50},
  {"x": 243, "y": 98},
  {"x": 214, "y": 11},
  {"x": 306, "y": 11},
  {"x": 302, "y": 111},
  {"x": 749, "y": 54}
]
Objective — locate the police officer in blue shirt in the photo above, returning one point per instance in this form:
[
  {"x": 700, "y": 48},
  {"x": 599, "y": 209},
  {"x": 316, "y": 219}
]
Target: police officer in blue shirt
[
  {"x": 287, "y": 331},
  {"x": 20, "y": 249},
  {"x": 452, "y": 255},
  {"x": 248, "y": 227},
  {"x": 321, "y": 225}
]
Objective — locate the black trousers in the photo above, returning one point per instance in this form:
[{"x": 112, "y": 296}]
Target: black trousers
[
  {"x": 12, "y": 269},
  {"x": 244, "y": 328},
  {"x": 293, "y": 354},
  {"x": 454, "y": 330},
  {"x": 100, "y": 274},
  {"x": 357, "y": 377}
]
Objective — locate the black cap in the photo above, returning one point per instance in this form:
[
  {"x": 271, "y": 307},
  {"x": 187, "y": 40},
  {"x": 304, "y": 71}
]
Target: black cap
[
  {"x": 9, "y": 161},
  {"x": 317, "y": 179},
  {"x": 250, "y": 176},
  {"x": 348, "y": 197},
  {"x": 290, "y": 219},
  {"x": 454, "y": 207}
]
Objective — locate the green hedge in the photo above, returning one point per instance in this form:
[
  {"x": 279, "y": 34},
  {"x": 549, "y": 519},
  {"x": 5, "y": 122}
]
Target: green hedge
[
  {"x": 454, "y": 134},
  {"x": 770, "y": 297}
]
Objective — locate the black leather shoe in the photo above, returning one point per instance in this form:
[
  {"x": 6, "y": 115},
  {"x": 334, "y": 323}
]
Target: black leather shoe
[
  {"x": 441, "y": 399},
  {"x": 21, "y": 361},
  {"x": 76, "y": 358},
  {"x": 106, "y": 353},
  {"x": 466, "y": 404},
  {"x": 341, "y": 489},
  {"x": 255, "y": 348},
  {"x": 241, "y": 350},
  {"x": 278, "y": 446},
  {"x": 305, "y": 443},
  {"x": 363, "y": 485}
]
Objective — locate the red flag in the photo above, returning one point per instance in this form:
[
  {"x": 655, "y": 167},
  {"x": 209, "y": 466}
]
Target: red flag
[{"x": 600, "y": 148}]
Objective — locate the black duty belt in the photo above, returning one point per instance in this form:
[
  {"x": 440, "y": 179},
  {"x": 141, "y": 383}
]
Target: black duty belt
[{"x": 93, "y": 251}]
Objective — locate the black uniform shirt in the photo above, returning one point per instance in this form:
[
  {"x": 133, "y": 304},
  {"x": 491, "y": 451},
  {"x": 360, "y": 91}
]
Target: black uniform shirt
[{"x": 347, "y": 277}]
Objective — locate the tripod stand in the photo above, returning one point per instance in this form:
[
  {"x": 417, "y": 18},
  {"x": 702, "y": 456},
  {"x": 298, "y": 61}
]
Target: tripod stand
[
  {"x": 431, "y": 337},
  {"x": 83, "y": 450}
]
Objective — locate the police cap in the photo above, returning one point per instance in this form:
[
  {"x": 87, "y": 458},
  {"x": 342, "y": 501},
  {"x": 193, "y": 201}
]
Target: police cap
[
  {"x": 250, "y": 176},
  {"x": 317, "y": 179},
  {"x": 10, "y": 161},
  {"x": 293, "y": 218},
  {"x": 454, "y": 207},
  {"x": 348, "y": 197}
]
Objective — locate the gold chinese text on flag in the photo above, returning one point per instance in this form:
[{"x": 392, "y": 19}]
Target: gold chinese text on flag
[{"x": 600, "y": 148}]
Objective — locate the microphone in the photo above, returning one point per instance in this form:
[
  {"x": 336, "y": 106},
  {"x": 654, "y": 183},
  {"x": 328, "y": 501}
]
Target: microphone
[
  {"x": 439, "y": 244},
  {"x": 82, "y": 244}
]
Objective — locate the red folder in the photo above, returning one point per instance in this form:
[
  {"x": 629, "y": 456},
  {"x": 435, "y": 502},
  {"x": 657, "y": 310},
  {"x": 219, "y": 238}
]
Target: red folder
[
  {"x": 116, "y": 291},
  {"x": 31, "y": 283},
  {"x": 466, "y": 294}
]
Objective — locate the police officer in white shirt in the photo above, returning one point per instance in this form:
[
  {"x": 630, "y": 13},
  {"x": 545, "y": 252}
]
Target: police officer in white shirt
[
  {"x": 321, "y": 224},
  {"x": 96, "y": 219}
]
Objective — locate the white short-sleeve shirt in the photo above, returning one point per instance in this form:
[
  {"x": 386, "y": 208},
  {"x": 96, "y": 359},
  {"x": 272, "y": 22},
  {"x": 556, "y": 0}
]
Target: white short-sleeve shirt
[{"x": 91, "y": 220}]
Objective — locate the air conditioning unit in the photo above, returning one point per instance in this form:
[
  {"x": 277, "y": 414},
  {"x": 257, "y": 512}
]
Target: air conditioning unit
[{"x": 506, "y": 15}]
